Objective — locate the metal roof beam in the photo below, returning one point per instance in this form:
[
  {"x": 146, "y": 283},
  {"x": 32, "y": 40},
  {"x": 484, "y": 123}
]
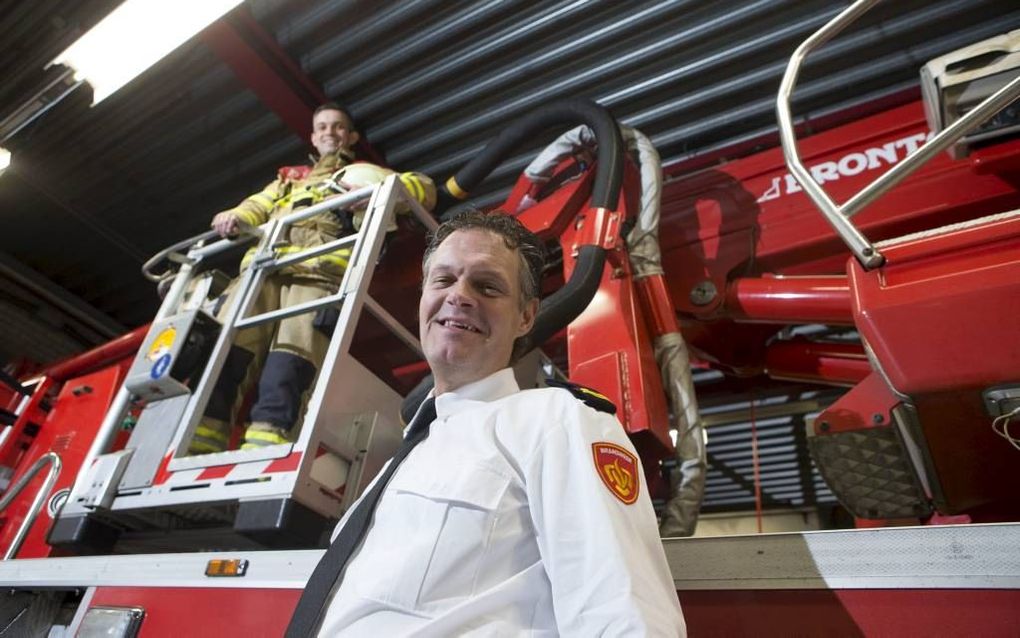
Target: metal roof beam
[
  {"x": 264, "y": 67},
  {"x": 60, "y": 298}
]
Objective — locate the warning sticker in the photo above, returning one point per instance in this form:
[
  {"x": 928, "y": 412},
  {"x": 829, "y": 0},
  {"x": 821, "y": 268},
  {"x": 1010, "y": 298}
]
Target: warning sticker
[{"x": 161, "y": 344}]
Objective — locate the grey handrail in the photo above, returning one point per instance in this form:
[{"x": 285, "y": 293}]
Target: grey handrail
[
  {"x": 172, "y": 253},
  {"x": 839, "y": 216},
  {"x": 51, "y": 458}
]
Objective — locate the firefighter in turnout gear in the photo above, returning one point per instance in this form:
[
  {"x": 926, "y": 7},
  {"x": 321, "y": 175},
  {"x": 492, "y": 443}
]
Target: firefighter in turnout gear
[{"x": 291, "y": 350}]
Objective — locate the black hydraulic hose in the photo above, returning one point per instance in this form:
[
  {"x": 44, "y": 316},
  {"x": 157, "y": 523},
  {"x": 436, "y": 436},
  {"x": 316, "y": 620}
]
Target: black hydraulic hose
[
  {"x": 608, "y": 174},
  {"x": 564, "y": 305}
]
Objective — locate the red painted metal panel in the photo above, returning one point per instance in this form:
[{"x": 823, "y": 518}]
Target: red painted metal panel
[
  {"x": 975, "y": 466},
  {"x": 944, "y": 312},
  {"x": 68, "y": 430},
  {"x": 859, "y": 612},
  {"x": 942, "y": 317},
  {"x": 171, "y": 612},
  {"x": 257, "y": 613}
]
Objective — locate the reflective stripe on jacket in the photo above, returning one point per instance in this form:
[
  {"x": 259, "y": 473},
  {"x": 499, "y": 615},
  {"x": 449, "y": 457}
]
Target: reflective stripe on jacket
[{"x": 296, "y": 189}]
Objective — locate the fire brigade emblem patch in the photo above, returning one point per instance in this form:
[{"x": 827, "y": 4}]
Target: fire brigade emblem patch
[{"x": 618, "y": 469}]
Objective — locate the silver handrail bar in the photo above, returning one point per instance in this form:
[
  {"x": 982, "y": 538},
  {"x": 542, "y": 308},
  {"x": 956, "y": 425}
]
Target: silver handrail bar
[
  {"x": 200, "y": 252},
  {"x": 838, "y": 216},
  {"x": 975, "y": 117},
  {"x": 170, "y": 254},
  {"x": 51, "y": 458}
]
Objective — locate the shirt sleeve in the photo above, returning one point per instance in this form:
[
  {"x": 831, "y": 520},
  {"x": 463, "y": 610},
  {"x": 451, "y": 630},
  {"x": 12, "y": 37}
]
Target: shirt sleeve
[{"x": 603, "y": 556}]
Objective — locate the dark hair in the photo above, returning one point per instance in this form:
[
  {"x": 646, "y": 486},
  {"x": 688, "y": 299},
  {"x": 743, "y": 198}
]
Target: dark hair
[
  {"x": 515, "y": 237},
  {"x": 333, "y": 106}
]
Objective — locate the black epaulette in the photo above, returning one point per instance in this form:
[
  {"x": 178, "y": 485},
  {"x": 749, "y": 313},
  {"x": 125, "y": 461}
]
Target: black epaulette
[{"x": 591, "y": 398}]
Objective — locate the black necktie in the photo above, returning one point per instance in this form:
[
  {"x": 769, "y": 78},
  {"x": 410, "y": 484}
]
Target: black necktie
[{"x": 309, "y": 609}]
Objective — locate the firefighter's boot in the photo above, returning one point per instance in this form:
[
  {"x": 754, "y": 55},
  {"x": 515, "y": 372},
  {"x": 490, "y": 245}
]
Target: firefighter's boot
[
  {"x": 211, "y": 436},
  {"x": 261, "y": 434}
]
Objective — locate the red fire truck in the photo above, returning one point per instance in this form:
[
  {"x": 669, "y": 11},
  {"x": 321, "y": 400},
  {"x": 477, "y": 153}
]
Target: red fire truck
[{"x": 107, "y": 516}]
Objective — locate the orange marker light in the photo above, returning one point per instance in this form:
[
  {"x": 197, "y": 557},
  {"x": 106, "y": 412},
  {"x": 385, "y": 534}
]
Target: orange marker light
[{"x": 226, "y": 567}]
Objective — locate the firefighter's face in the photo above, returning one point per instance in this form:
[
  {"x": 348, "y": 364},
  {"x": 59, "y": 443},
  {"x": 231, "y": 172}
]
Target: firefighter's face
[
  {"x": 331, "y": 131},
  {"x": 471, "y": 311}
]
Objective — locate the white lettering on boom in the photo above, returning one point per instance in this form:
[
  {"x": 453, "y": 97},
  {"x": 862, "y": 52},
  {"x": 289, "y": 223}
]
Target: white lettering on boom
[{"x": 847, "y": 166}]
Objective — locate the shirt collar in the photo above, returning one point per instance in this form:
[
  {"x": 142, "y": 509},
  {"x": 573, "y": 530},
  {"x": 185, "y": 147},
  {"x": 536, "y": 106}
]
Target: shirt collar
[
  {"x": 495, "y": 386},
  {"x": 341, "y": 157}
]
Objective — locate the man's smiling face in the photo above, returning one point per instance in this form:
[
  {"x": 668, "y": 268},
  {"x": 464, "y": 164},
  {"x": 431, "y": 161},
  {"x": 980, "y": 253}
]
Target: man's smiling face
[
  {"x": 470, "y": 311},
  {"x": 331, "y": 131}
]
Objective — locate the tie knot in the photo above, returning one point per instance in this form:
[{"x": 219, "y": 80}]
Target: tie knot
[{"x": 423, "y": 419}]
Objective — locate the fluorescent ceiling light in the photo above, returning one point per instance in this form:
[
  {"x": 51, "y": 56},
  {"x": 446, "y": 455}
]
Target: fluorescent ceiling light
[
  {"x": 5, "y": 158},
  {"x": 136, "y": 35}
]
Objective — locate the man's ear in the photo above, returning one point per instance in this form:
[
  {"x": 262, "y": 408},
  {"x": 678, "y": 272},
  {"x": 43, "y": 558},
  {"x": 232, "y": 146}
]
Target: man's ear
[
  {"x": 528, "y": 317},
  {"x": 353, "y": 137}
]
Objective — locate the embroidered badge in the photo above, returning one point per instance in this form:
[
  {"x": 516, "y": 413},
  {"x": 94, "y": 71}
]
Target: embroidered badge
[{"x": 618, "y": 469}]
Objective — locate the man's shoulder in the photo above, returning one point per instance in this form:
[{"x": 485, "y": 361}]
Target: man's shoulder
[
  {"x": 588, "y": 396},
  {"x": 564, "y": 395},
  {"x": 581, "y": 415}
]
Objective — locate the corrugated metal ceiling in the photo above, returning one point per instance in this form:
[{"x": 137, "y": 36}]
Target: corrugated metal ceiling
[{"x": 93, "y": 192}]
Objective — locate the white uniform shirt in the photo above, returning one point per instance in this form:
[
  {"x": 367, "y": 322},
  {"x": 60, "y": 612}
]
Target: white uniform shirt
[{"x": 499, "y": 524}]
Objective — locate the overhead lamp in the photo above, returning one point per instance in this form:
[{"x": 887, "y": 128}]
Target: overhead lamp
[
  {"x": 136, "y": 35},
  {"x": 5, "y": 159}
]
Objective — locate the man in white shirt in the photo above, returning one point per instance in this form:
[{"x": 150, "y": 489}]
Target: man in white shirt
[{"x": 505, "y": 512}]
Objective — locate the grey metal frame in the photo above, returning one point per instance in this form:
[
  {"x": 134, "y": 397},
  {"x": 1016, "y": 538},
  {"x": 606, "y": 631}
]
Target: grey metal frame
[
  {"x": 839, "y": 216},
  {"x": 367, "y": 245},
  {"x": 929, "y": 557}
]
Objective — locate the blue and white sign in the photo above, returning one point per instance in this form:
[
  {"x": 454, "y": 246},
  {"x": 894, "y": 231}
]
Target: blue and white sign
[{"x": 160, "y": 367}]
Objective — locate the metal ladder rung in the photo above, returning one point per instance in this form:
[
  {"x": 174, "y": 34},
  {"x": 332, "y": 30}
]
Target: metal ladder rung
[
  {"x": 278, "y": 263},
  {"x": 949, "y": 228},
  {"x": 289, "y": 311}
]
